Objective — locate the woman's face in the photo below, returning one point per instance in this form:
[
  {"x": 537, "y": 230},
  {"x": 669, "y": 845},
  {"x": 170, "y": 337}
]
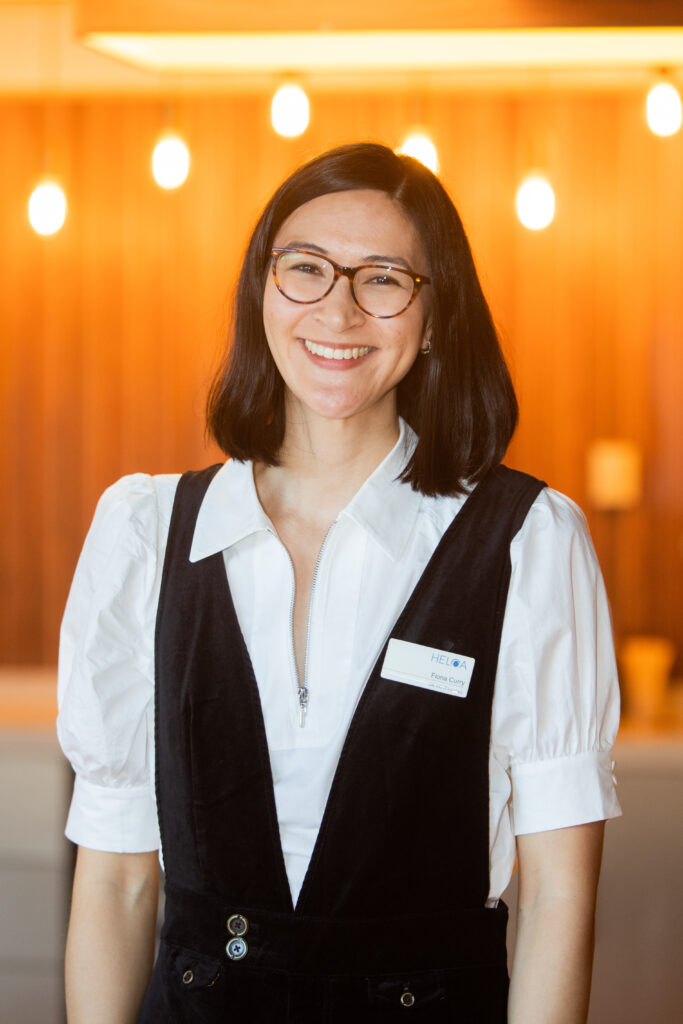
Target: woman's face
[{"x": 351, "y": 228}]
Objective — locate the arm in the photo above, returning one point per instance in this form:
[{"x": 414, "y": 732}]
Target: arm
[
  {"x": 558, "y": 879},
  {"x": 110, "y": 945}
]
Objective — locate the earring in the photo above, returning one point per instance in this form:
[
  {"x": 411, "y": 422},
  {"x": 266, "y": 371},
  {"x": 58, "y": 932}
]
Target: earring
[{"x": 424, "y": 351}]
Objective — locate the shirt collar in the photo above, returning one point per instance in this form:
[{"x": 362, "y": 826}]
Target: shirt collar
[
  {"x": 230, "y": 511},
  {"x": 384, "y": 507}
]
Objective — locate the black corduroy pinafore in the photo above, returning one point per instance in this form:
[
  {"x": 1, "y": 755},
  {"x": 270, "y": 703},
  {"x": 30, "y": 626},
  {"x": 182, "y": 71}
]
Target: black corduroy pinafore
[{"x": 391, "y": 922}]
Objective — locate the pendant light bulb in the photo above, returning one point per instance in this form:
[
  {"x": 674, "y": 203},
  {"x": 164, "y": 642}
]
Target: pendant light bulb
[
  {"x": 290, "y": 111},
  {"x": 535, "y": 202},
  {"x": 47, "y": 208},
  {"x": 663, "y": 107},
  {"x": 421, "y": 147},
  {"x": 170, "y": 162}
]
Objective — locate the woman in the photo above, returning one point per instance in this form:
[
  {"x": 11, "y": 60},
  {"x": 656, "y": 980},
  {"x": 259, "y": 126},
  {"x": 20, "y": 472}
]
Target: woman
[{"x": 336, "y": 850}]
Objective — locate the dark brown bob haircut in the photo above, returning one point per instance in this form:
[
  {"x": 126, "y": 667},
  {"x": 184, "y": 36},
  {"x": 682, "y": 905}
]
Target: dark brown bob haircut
[{"x": 459, "y": 399}]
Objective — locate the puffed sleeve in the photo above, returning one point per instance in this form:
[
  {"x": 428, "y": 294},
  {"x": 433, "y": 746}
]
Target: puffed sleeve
[
  {"x": 106, "y": 673},
  {"x": 556, "y": 709}
]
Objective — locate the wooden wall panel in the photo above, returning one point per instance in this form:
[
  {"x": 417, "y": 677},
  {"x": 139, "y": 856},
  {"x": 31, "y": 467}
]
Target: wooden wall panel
[{"x": 110, "y": 330}]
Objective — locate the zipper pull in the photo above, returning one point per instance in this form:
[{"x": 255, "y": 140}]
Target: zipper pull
[{"x": 302, "y": 693}]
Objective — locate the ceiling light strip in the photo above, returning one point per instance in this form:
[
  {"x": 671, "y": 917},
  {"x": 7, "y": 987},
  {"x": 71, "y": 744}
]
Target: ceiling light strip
[{"x": 387, "y": 51}]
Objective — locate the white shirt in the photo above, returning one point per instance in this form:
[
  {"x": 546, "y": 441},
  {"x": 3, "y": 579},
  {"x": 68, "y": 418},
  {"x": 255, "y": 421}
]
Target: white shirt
[{"x": 555, "y": 708}]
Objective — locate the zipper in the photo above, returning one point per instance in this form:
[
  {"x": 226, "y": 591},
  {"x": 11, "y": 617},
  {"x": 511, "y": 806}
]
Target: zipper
[
  {"x": 302, "y": 694},
  {"x": 302, "y": 691}
]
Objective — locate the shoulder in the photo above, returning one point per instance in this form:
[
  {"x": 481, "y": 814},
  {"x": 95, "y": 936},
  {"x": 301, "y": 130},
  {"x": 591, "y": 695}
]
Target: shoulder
[
  {"x": 554, "y": 564},
  {"x": 558, "y": 507},
  {"x": 553, "y": 517},
  {"x": 135, "y": 511},
  {"x": 139, "y": 499},
  {"x": 127, "y": 535}
]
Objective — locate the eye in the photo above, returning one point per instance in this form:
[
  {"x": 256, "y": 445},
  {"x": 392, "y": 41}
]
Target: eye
[
  {"x": 385, "y": 278},
  {"x": 301, "y": 264},
  {"x": 306, "y": 268}
]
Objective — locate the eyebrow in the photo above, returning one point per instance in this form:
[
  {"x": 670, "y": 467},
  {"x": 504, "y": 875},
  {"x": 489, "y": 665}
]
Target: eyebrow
[{"x": 371, "y": 258}]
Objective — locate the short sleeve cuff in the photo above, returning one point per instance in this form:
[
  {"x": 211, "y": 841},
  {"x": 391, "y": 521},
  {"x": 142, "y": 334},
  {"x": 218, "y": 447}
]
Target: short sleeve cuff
[
  {"x": 562, "y": 792},
  {"x": 116, "y": 820}
]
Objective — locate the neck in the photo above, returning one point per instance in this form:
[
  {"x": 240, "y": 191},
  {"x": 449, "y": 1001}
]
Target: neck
[{"x": 323, "y": 463}]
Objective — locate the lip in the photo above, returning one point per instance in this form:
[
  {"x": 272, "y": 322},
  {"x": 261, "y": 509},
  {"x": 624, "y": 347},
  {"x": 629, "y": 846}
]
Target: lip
[{"x": 337, "y": 365}]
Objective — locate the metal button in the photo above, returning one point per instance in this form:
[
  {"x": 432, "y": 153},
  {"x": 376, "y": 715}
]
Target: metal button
[
  {"x": 236, "y": 949},
  {"x": 407, "y": 999},
  {"x": 238, "y": 924},
  {"x": 188, "y": 977}
]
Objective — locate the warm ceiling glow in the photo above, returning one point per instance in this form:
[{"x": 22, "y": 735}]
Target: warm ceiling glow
[
  {"x": 664, "y": 109},
  {"x": 237, "y": 52},
  {"x": 170, "y": 162},
  {"x": 423, "y": 149},
  {"x": 535, "y": 202},
  {"x": 47, "y": 208},
  {"x": 290, "y": 111}
]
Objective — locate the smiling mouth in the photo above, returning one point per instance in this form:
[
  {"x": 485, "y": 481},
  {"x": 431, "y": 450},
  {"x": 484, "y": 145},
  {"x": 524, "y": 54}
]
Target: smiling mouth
[{"x": 326, "y": 352}]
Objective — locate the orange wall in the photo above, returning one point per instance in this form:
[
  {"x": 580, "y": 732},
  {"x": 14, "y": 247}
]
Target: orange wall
[{"x": 110, "y": 329}]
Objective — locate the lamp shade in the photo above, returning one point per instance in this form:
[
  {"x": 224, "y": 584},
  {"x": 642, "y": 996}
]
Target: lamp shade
[{"x": 614, "y": 470}]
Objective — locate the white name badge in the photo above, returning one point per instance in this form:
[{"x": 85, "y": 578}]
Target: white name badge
[{"x": 442, "y": 671}]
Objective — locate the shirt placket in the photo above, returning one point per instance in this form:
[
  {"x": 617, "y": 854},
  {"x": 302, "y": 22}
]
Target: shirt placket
[{"x": 332, "y": 627}]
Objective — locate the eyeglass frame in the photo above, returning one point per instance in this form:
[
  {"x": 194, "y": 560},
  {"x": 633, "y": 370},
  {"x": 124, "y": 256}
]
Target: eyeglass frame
[{"x": 349, "y": 273}]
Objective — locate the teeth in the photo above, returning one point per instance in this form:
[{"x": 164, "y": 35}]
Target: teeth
[{"x": 335, "y": 353}]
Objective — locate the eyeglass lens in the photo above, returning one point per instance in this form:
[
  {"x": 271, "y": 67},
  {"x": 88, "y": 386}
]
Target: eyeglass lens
[{"x": 380, "y": 291}]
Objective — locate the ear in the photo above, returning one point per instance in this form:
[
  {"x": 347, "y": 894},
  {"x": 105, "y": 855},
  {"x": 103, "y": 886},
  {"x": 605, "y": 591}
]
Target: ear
[{"x": 426, "y": 346}]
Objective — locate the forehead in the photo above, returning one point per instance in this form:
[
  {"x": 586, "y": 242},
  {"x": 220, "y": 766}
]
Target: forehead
[{"x": 353, "y": 225}]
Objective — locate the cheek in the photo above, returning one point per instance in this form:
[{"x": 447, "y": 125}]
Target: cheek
[
  {"x": 279, "y": 313},
  {"x": 412, "y": 338},
  {"x": 268, "y": 304},
  {"x": 275, "y": 320}
]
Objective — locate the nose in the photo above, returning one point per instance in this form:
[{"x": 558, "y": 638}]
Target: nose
[{"x": 338, "y": 310}]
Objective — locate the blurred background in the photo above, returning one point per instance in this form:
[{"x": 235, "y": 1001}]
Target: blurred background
[{"x": 555, "y": 126}]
